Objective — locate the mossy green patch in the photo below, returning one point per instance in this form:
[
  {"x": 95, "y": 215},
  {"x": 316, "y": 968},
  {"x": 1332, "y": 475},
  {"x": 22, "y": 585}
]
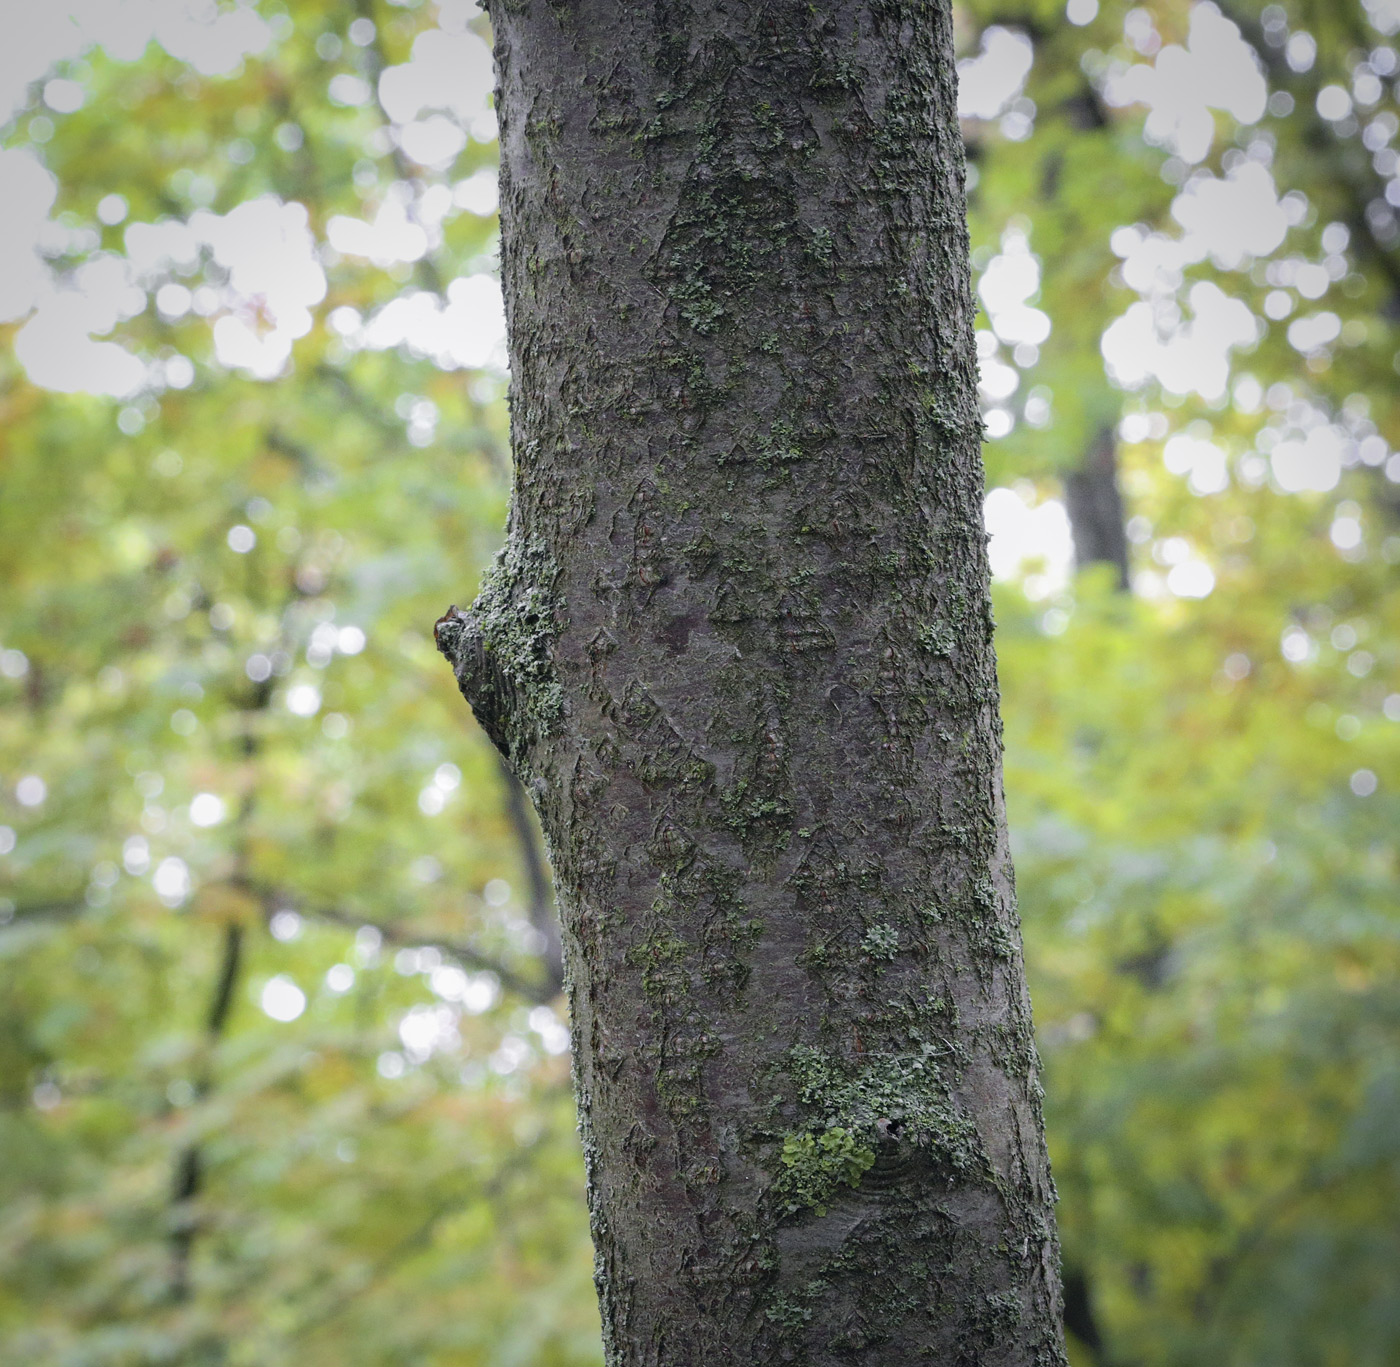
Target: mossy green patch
[
  {"x": 816, "y": 1166},
  {"x": 881, "y": 942},
  {"x": 875, "y": 1100}
]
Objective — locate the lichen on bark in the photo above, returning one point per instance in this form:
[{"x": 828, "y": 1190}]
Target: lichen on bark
[{"x": 739, "y": 646}]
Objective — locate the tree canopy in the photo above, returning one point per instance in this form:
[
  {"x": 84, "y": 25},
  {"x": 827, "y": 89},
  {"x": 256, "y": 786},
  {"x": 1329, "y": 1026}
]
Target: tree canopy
[{"x": 282, "y": 1059}]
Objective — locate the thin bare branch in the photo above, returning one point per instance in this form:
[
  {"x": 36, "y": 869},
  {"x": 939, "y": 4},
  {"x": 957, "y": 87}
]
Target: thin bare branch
[
  {"x": 467, "y": 954},
  {"x": 543, "y": 915}
]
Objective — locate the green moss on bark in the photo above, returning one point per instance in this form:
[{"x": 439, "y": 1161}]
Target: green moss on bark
[{"x": 816, "y": 1165}]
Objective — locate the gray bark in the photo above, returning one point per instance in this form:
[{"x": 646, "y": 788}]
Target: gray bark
[{"x": 738, "y": 647}]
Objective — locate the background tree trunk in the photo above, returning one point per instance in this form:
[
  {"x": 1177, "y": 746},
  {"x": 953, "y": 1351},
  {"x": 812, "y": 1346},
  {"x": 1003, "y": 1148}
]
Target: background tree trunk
[
  {"x": 1095, "y": 507},
  {"x": 738, "y": 646}
]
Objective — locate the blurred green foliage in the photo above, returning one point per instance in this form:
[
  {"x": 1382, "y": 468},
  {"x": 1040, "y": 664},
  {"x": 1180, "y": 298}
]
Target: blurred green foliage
[{"x": 281, "y": 1061}]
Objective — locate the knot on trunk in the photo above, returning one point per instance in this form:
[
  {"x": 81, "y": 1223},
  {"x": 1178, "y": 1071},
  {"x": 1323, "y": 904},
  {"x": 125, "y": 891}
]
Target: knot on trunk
[
  {"x": 499, "y": 650},
  {"x": 483, "y": 683}
]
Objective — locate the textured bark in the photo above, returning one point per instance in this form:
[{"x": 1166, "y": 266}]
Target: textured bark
[
  {"x": 1095, "y": 507},
  {"x": 738, "y": 647}
]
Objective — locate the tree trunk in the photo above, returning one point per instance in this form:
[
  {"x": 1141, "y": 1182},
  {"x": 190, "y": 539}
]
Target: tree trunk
[
  {"x": 1094, "y": 504},
  {"x": 738, "y": 646}
]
